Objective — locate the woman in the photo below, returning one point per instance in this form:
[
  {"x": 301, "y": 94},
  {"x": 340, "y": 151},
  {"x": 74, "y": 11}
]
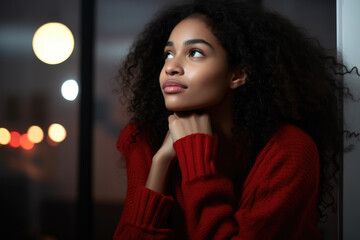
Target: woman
[{"x": 234, "y": 131}]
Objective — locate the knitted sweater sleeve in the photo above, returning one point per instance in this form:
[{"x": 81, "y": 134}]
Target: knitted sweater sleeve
[
  {"x": 278, "y": 198},
  {"x": 145, "y": 212}
]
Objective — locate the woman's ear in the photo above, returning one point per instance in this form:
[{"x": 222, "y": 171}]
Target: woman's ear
[{"x": 239, "y": 79}]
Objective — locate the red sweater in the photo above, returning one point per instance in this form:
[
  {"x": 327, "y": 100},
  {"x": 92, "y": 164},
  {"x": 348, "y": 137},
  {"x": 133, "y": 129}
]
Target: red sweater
[{"x": 277, "y": 199}]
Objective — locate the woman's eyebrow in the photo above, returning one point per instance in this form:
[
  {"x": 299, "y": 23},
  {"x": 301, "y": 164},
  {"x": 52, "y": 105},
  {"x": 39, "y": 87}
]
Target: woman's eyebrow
[{"x": 191, "y": 41}]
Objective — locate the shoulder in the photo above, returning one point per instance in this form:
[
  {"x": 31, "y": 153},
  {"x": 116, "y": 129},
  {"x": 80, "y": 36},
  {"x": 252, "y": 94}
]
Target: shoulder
[
  {"x": 291, "y": 137},
  {"x": 290, "y": 145},
  {"x": 291, "y": 132},
  {"x": 129, "y": 137}
]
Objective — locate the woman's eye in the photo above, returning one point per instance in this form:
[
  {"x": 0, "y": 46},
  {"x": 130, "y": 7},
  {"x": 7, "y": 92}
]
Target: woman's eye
[
  {"x": 168, "y": 55},
  {"x": 196, "y": 53}
]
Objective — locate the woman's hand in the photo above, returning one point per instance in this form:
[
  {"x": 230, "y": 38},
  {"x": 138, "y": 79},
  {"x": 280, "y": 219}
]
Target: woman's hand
[{"x": 182, "y": 124}]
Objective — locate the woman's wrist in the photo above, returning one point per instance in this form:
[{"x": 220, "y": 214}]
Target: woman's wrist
[
  {"x": 157, "y": 177},
  {"x": 162, "y": 158}
]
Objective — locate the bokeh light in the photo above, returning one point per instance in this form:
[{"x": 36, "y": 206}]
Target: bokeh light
[
  {"x": 70, "y": 89},
  {"x": 57, "y": 132},
  {"x": 35, "y": 134},
  {"x": 53, "y": 43},
  {"x": 4, "y": 136},
  {"x": 51, "y": 142},
  {"x": 25, "y": 143},
  {"x": 15, "y": 139}
]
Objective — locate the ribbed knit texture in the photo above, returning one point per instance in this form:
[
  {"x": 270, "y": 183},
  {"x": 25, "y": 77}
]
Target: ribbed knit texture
[
  {"x": 277, "y": 200},
  {"x": 192, "y": 147},
  {"x": 151, "y": 208}
]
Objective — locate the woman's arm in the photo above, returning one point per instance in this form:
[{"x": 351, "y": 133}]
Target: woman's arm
[
  {"x": 179, "y": 127},
  {"x": 278, "y": 199},
  {"x": 145, "y": 212},
  {"x": 160, "y": 166}
]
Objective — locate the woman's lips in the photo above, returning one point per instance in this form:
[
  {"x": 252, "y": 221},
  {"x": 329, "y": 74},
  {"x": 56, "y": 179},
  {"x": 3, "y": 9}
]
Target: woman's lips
[{"x": 173, "y": 86}]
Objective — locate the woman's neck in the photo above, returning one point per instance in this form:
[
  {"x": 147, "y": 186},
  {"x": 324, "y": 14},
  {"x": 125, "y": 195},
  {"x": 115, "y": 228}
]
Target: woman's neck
[{"x": 222, "y": 118}]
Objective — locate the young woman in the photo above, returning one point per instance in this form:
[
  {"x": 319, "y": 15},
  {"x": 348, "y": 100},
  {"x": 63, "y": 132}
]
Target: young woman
[{"x": 235, "y": 129}]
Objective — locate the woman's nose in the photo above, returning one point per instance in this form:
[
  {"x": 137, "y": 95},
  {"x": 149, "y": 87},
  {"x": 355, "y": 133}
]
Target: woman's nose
[{"x": 174, "y": 68}]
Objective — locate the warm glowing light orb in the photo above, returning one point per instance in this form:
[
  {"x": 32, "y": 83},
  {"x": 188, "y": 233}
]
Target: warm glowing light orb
[
  {"x": 35, "y": 134},
  {"x": 57, "y": 132},
  {"x": 25, "y": 143},
  {"x": 70, "y": 89},
  {"x": 51, "y": 142},
  {"x": 15, "y": 139},
  {"x": 4, "y": 136},
  {"x": 53, "y": 43}
]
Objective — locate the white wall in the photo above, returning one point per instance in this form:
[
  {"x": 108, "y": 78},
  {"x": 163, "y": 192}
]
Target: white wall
[{"x": 348, "y": 38}]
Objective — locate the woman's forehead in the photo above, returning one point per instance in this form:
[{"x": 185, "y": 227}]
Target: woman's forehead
[{"x": 192, "y": 27}]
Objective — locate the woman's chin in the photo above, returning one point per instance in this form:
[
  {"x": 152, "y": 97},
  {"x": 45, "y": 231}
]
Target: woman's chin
[
  {"x": 183, "y": 108},
  {"x": 180, "y": 108},
  {"x": 177, "y": 109}
]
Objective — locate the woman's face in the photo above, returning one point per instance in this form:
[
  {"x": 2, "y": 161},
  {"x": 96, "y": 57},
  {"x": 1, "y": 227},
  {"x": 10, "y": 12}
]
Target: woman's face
[{"x": 195, "y": 74}]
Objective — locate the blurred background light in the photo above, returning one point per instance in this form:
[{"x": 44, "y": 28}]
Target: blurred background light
[
  {"x": 15, "y": 139},
  {"x": 70, "y": 89},
  {"x": 4, "y": 136},
  {"x": 35, "y": 134},
  {"x": 51, "y": 142},
  {"x": 53, "y": 43},
  {"x": 25, "y": 143},
  {"x": 57, "y": 132}
]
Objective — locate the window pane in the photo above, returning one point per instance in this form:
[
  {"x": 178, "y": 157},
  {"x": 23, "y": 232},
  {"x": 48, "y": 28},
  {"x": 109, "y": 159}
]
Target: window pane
[{"x": 38, "y": 182}]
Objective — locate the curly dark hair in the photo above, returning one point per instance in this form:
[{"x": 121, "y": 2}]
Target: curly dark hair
[{"x": 291, "y": 78}]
